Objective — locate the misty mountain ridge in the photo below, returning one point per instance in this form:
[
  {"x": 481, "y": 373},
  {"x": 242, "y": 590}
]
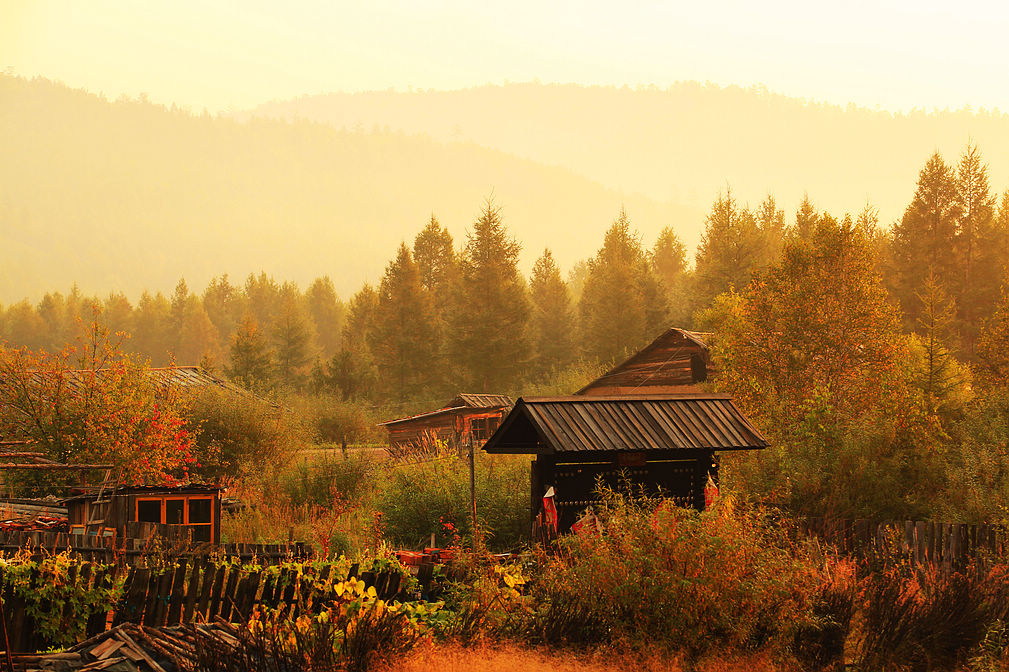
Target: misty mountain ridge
[
  {"x": 687, "y": 142},
  {"x": 126, "y": 195}
]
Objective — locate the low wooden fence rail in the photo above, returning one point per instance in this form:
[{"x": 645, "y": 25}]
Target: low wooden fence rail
[
  {"x": 109, "y": 550},
  {"x": 949, "y": 544},
  {"x": 194, "y": 590}
]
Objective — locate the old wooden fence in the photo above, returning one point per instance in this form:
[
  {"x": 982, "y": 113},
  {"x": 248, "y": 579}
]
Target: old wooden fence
[
  {"x": 194, "y": 590},
  {"x": 154, "y": 542},
  {"x": 920, "y": 541}
]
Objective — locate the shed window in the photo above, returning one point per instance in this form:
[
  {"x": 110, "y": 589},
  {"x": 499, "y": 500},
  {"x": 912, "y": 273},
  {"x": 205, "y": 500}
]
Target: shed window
[
  {"x": 149, "y": 511},
  {"x": 481, "y": 428},
  {"x": 195, "y": 512}
]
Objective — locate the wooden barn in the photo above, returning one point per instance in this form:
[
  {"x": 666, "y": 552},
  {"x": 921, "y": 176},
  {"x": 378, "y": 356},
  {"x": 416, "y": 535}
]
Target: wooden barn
[
  {"x": 198, "y": 507},
  {"x": 667, "y": 444},
  {"x": 465, "y": 417},
  {"x": 676, "y": 362}
]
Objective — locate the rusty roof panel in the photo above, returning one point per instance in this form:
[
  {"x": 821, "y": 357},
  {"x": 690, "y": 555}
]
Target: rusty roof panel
[
  {"x": 643, "y": 422},
  {"x": 480, "y": 400}
]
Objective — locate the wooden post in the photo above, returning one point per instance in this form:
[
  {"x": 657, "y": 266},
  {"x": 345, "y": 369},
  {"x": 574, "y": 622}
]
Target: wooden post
[{"x": 472, "y": 493}]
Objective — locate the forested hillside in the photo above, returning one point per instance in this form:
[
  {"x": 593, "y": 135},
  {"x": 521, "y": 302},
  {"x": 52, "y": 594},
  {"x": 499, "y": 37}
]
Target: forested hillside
[
  {"x": 127, "y": 195},
  {"x": 685, "y": 143}
]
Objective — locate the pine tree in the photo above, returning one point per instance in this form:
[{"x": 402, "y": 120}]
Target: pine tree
[
  {"x": 402, "y": 337},
  {"x": 924, "y": 241},
  {"x": 806, "y": 218},
  {"x": 250, "y": 360},
  {"x": 436, "y": 259},
  {"x": 771, "y": 225},
  {"x": 731, "y": 249},
  {"x": 327, "y": 313},
  {"x": 622, "y": 305},
  {"x": 151, "y": 337},
  {"x": 489, "y": 338},
  {"x": 552, "y": 320},
  {"x": 225, "y": 305},
  {"x": 293, "y": 339},
  {"x": 940, "y": 377},
  {"x": 351, "y": 372},
  {"x": 669, "y": 263},
  {"x": 977, "y": 289}
]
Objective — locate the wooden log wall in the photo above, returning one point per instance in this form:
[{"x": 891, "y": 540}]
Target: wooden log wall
[
  {"x": 196, "y": 590},
  {"x": 922, "y": 542}
]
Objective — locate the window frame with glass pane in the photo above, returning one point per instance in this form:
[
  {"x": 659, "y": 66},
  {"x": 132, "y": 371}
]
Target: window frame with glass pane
[{"x": 199, "y": 527}]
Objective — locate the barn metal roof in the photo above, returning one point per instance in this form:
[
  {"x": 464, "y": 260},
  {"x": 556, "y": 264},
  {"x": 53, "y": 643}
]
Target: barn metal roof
[
  {"x": 462, "y": 402},
  {"x": 626, "y": 423}
]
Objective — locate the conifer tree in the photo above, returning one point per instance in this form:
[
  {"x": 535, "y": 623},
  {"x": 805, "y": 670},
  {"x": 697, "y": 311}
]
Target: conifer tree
[
  {"x": 940, "y": 377},
  {"x": 489, "y": 338},
  {"x": 293, "y": 338},
  {"x": 351, "y": 371},
  {"x": 402, "y": 336},
  {"x": 250, "y": 360},
  {"x": 806, "y": 218},
  {"x": 552, "y": 318},
  {"x": 622, "y": 305},
  {"x": 978, "y": 286},
  {"x": 152, "y": 328},
  {"x": 327, "y": 313},
  {"x": 924, "y": 241},
  {"x": 731, "y": 249},
  {"x": 438, "y": 264},
  {"x": 225, "y": 305},
  {"x": 669, "y": 263}
]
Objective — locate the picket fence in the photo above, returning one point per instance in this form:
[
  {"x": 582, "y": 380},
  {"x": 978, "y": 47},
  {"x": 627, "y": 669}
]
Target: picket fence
[
  {"x": 196, "y": 590},
  {"x": 941, "y": 543}
]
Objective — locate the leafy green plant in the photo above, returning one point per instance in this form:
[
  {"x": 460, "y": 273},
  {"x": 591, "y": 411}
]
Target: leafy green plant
[{"x": 59, "y": 601}]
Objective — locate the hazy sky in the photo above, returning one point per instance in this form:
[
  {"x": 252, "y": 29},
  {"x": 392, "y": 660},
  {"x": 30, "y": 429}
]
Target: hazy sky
[{"x": 213, "y": 54}]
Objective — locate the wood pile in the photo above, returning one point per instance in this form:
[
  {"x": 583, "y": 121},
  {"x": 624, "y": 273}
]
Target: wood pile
[{"x": 131, "y": 647}]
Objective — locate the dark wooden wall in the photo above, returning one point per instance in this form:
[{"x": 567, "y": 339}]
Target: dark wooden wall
[{"x": 677, "y": 475}]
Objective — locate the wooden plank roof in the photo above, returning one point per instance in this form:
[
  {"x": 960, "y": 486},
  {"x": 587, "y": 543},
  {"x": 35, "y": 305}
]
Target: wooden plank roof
[
  {"x": 673, "y": 363},
  {"x": 548, "y": 425}
]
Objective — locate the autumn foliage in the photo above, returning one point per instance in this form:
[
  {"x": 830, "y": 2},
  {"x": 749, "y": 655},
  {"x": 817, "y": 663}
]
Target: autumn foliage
[{"x": 90, "y": 403}]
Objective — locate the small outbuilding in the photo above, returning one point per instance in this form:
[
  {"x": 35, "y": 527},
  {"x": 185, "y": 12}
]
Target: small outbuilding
[
  {"x": 677, "y": 362},
  {"x": 466, "y": 417},
  {"x": 664, "y": 444},
  {"x": 197, "y": 507}
]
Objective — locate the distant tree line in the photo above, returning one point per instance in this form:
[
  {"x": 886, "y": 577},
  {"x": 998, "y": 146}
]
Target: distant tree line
[{"x": 448, "y": 316}]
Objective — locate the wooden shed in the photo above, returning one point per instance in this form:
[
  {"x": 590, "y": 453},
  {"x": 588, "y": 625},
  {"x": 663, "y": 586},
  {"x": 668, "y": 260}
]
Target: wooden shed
[
  {"x": 666, "y": 444},
  {"x": 198, "y": 507},
  {"x": 676, "y": 362},
  {"x": 465, "y": 417}
]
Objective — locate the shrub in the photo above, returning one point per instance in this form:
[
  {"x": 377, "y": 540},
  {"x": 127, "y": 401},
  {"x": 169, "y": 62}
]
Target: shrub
[
  {"x": 927, "y": 619},
  {"x": 352, "y": 632},
  {"x": 668, "y": 576},
  {"x": 417, "y": 500},
  {"x": 241, "y": 434},
  {"x": 336, "y": 422},
  {"x": 326, "y": 478}
]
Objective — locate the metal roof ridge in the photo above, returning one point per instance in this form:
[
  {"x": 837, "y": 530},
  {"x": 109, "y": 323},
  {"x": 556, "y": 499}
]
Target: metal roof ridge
[{"x": 588, "y": 398}]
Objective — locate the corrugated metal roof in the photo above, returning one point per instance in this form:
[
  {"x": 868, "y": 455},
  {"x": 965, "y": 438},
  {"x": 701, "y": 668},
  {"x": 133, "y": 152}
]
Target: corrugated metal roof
[
  {"x": 480, "y": 400},
  {"x": 645, "y": 422},
  {"x": 461, "y": 402},
  {"x": 185, "y": 377}
]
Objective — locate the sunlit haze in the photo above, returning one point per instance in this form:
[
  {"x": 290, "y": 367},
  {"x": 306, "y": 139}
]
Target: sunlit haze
[{"x": 897, "y": 55}]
